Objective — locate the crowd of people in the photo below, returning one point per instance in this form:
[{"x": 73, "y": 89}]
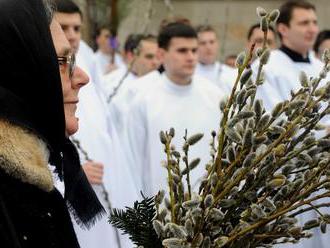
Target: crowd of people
[{"x": 59, "y": 182}]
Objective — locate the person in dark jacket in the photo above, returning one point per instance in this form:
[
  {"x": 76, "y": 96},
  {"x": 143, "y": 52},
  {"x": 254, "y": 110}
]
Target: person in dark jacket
[{"x": 34, "y": 129}]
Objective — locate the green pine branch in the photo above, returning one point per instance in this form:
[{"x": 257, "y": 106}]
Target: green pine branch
[{"x": 137, "y": 223}]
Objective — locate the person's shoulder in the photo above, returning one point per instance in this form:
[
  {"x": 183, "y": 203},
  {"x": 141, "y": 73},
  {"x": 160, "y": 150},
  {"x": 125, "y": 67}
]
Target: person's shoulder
[
  {"x": 227, "y": 68},
  {"x": 146, "y": 82},
  {"x": 205, "y": 86},
  {"x": 146, "y": 88},
  {"x": 278, "y": 63},
  {"x": 85, "y": 48},
  {"x": 316, "y": 61},
  {"x": 277, "y": 58},
  {"x": 24, "y": 156},
  {"x": 150, "y": 77},
  {"x": 98, "y": 56},
  {"x": 114, "y": 74},
  {"x": 227, "y": 72}
]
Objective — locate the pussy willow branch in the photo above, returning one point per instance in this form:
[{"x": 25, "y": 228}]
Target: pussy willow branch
[
  {"x": 217, "y": 164},
  {"x": 279, "y": 213},
  {"x": 170, "y": 178},
  {"x": 322, "y": 205},
  {"x": 315, "y": 209},
  {"x": 264, "y": 47},
  {"x": 229, "y": 171},
  {"x": 187, "y": 166},
  {"x": 273, "y": 145}
]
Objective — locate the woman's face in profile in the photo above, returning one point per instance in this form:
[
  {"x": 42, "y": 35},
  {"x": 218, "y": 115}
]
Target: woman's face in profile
[{"x": 72, "y": 78}]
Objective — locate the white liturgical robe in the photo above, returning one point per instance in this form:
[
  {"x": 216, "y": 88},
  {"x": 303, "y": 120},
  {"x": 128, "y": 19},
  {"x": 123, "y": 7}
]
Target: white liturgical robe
[
  {"x": 120, "y": 102},
  {"x": 282, "y": 73},
  {"x": 117, "y": 80},
  {"x": 96, "y": 141},
  {"x": 194, "y": 107},
  {"x": 102, "y": 62},
  {"x": 220, "y": 74}
]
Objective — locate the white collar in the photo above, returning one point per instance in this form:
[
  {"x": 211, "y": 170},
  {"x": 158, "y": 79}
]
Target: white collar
[{"x": 176, "y": 88}]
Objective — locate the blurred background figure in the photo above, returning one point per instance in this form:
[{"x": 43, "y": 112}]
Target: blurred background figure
[
  {"x": 322, "y": 42},
  {"x": 256, "y": 36},
  {"x": 140, "y": 56},
  {"x": 107, "y": 58},
  {"x": 230, "y": 60},
  {"x": 208, "y": 65}
]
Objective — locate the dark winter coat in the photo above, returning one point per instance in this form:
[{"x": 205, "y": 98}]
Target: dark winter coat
[{"x": 32, "y": 212}]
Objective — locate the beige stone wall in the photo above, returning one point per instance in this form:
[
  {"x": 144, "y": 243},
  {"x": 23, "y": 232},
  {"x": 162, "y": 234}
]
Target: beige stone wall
[{"x": 231, "y": 18}]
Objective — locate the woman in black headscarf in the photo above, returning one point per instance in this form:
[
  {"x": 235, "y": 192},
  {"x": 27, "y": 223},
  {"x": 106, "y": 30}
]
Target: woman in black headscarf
[{"x": 32, "y": 134}]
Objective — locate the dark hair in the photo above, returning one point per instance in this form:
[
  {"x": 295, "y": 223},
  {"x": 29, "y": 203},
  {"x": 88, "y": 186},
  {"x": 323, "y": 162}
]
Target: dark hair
[
  {"x": 175, "y": 19},
  {"x": 322, "y": 36},
  {"x": 231, "y": 56},
  {"x": 99, "y": 29},
  {"x": 68, "y": 7},
  {"x": 287, "y": 8},
  {"x": 257, "y": 26},
  {"x": 133, "y": 41},
  {"x": 175, "y": 30}
]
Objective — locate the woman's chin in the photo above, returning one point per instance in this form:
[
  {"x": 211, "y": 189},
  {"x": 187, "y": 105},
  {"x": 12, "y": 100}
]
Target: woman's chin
[{"x": 72, "y": 126}]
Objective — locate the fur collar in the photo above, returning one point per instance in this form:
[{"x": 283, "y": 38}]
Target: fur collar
[{"x": 24, "y": 156}]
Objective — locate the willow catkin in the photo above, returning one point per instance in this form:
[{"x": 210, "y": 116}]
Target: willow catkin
[
  {"x": 261, "y": 12},
  {"x": 273, "y": 16}
]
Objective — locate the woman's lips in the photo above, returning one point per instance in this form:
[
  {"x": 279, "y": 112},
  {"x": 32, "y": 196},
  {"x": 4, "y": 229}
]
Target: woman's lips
[{"x": 71, "y": 102}]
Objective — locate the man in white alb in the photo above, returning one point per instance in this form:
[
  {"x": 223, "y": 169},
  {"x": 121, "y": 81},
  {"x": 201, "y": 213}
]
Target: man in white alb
[
  {"x": 107, "y": 59},
  {"x": 297, "y": 28},
  {"x": 175, "y": 99},
  {"x": 208, "y": 67},
  {"x": 140, "y": 53}
]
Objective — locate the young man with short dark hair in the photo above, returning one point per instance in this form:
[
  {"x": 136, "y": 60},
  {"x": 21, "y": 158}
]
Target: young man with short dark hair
[
  {"x": 297, "y": 27},
  {"x": 178, "y": 99}
]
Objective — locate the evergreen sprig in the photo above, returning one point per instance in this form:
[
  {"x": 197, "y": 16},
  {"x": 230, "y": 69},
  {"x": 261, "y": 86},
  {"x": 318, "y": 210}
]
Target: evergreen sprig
[{"x": 137, "y": 222}]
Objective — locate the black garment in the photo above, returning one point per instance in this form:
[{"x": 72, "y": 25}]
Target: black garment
[
  {"x": 37, "y": 218},
  {"x": 31, "y": 97},
  {"x": 294, "y": 56},
  {"x": 32, "y": 212}
]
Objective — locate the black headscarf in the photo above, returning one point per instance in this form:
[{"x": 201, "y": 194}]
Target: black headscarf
[{"x": 31, "y": 97}]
